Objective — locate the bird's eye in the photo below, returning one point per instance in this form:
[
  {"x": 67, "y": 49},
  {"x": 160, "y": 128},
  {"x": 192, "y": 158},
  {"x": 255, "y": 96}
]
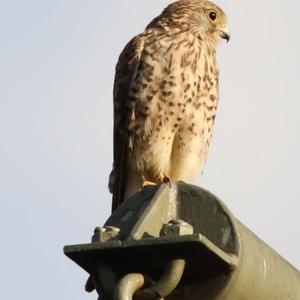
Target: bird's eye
[{"x": 212, "y": 15}]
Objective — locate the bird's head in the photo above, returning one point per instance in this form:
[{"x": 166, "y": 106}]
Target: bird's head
[{"x": 203, "y": 17}]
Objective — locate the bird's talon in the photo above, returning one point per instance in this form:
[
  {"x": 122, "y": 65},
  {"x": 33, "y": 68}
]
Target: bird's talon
[{"x": 167, "y": 180}]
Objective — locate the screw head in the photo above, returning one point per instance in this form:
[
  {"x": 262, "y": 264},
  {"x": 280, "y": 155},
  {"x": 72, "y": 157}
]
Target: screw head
[
  {"x": 176, "y": 227},
  {"x": 104, "y": 234}
]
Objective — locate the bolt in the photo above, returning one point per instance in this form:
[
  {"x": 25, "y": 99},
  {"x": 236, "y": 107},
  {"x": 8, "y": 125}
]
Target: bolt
[
  {"x": 176, "y": 227},
  {"x": 104, "y": 234}
]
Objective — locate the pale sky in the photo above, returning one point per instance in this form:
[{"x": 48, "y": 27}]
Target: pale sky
[{"x": 57, "y": 63}]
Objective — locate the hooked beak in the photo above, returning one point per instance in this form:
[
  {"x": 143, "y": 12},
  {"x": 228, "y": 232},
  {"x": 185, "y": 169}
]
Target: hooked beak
[
  {"x": 225, "y": 35},
  {"x": 223, "y": 31}
]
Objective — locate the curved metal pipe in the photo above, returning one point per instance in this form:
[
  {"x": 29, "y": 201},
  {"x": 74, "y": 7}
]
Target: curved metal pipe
[
  {"x": 167, "y": 282},
  {"x": 128, "y": 286},
  {"x": 131, "y": 285}
]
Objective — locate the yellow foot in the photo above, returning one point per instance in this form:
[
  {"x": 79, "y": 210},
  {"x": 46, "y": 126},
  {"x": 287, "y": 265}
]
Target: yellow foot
[
  {"x": 162, "y": 178},
  {"x": 148, "y": 183}
]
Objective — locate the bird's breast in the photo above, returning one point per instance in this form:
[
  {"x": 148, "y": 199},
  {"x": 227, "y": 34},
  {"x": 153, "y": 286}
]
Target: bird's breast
[{"x": 175, "y": 92}]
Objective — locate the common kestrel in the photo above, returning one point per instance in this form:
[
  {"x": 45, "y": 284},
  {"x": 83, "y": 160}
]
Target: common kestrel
[{"x": 165, "y": 98}]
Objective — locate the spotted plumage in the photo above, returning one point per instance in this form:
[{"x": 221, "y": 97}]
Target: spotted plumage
[{"x": 165, "y": 97}]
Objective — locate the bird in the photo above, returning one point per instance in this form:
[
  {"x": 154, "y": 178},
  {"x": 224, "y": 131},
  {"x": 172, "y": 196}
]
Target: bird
[{"x": 165, "y": 96}]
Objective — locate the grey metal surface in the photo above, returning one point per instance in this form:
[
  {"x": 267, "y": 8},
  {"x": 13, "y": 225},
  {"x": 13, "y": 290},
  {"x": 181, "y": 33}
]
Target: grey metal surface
[{"x": 224, "y": 260}]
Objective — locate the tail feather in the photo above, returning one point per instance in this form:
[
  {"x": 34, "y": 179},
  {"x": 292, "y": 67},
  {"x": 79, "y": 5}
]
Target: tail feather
[{"x": 124, "y": 188}]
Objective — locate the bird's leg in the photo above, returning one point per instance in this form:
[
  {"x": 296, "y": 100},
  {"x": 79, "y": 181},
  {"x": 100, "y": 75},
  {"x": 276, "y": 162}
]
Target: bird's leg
[
  {"x": 147, "y": 182},
  {"x": 162, "y": 178}
]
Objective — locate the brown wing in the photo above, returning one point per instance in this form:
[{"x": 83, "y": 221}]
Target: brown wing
[{"x": 123, "y": 111}]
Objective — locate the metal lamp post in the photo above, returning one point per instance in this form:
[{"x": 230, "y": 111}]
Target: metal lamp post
[{"x": 179, "y": 241}]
